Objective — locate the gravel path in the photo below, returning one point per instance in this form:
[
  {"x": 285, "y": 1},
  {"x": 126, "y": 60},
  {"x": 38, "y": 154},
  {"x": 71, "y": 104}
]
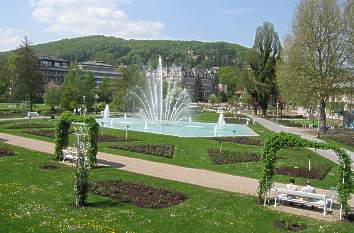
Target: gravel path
[{"x": 200, "y": 177}]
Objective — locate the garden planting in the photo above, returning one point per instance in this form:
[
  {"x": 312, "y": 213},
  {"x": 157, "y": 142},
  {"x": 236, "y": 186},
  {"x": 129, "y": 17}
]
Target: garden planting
[
  {"x": 140, "y": 195},
  {"x": 4, "y": 151},
  {"x": 112, "y": 138},
  {"x": 240, "y": 140},
  {"x": 229, "y": 157},
  {"x": 161, "y": 150},
  {"x": 315, "y": 173}
]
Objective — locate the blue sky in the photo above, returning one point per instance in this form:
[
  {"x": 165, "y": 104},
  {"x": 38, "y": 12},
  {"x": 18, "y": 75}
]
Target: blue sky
[{"x": 208, "y": 20}]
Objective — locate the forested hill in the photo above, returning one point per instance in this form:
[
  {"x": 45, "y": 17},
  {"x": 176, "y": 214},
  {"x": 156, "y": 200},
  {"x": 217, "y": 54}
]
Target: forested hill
[{"x": 120, "y": 51}]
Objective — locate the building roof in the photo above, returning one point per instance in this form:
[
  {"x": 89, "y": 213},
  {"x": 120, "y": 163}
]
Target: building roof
[{"x": 52, "y": 59}]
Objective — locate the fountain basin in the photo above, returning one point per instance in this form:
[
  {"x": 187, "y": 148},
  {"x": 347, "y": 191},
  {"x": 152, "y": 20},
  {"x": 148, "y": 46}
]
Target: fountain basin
[{"x": 180, "y": 129}]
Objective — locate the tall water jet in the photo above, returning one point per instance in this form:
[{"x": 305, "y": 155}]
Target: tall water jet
[
  {"x": 221, "y": 120},
  {"x": 158, "y": 106},
  {"x": 106, "y": 117}
]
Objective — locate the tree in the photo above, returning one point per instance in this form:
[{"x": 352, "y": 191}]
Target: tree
[
  {"x": 132, "y": 77},
  {"x": 198, "y": 90},
  {"x": 53, "y": 97},
  {"x": 27, "y": 81},
  {"x": 7, "y": 73},
  {"x": 316, "y": 60},
  {"x": 213, "y": 99},
  {"x": 262, "y": 60}
]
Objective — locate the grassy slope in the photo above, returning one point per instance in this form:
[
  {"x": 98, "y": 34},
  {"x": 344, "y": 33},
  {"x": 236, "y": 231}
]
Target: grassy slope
[
  {"x": 35, "y": 200},
  {"x": 192, "y": 152}
]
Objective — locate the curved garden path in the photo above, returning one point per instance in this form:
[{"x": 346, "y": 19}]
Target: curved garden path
[
  {"x": 200, "y": 177},
  {"x": 280, "y": 128}
]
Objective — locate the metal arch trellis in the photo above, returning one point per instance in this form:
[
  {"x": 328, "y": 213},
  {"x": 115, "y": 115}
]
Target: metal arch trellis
[{"x": 81, "y": 132}]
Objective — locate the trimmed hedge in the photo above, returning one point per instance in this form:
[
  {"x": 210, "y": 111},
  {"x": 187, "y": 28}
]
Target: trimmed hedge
[
  {"x": 162, "y": 150},
  {"x": 229, "y": 157},
  {"x": 240, "y": 140}
]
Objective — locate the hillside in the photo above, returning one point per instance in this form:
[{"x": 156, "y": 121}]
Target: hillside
[{"x": 116, "y": 51}]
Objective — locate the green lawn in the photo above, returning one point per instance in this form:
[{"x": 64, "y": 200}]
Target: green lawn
[
  {"x": 36, "y": 200},
  {"x": 192, "y": 152}
]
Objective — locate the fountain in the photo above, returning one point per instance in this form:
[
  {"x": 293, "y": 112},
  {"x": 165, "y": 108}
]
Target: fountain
[
  {"x": 157, "y": 107},
  {"x": 163, "y": 109},
  {"x": 106, "y": 117},
  {"x": 221, "y": 120}
]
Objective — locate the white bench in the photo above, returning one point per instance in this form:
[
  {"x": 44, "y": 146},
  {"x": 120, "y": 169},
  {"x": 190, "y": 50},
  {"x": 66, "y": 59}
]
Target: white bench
[
  {"x": 69, "y": 155},
  {"x": 32, "y": 114},
  {"x": 300, "y": 197}
]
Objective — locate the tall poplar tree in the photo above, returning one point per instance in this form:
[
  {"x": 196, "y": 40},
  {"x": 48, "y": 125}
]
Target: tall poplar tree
[{"x": 262, "y": 60}]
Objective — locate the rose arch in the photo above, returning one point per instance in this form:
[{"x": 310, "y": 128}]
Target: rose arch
[
  {"x": 62, "y": 135},
  {"x": 286, "y": 140}
]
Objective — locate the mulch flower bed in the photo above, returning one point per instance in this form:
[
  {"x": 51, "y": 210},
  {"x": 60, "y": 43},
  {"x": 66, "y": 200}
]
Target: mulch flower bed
[
  {"x": 240, "y": 140},
  {"x": 49, "y": 166},
  {"x": 229, "y": 157},
  {"x": 140, "y": 195},
  {"x": 43, "y": 133},
  {"x": 30, "y": 126},
  {"x": 111, "y": 138},
  {"x": 6, "y": 152},
  {"x": 315, "y": 173},
  {"x": 162, "y": 150},
  {"x": 289, "y": 226}
]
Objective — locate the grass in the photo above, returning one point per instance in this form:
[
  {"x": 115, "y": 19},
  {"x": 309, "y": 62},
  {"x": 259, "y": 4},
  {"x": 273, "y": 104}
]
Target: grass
[
  {"x": 193, "y": 152},
  {"x": 37, "y": 200}
]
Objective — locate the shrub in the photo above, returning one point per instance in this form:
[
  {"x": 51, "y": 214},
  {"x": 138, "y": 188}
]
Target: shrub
[
  {"x": 315, "y": 173},
  {"x": 81, "y": 186},
  {"x": 162, "y": 150},
  {"x": 138, "y": 194},
  {"x": 4, "y": 151},
  {"x": 229, "y": 157},
  {"x": 240, "y": 140}
]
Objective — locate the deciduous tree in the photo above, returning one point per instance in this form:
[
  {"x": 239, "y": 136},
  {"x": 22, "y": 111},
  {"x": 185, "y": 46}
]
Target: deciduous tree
[{"x": 317, "y": 54}]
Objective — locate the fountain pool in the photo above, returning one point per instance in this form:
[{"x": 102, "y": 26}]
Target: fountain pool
[{"x": 181, "y": 128}]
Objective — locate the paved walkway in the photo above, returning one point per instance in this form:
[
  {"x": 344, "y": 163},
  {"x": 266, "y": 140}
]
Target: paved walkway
[{"x": 279, "y": 128}]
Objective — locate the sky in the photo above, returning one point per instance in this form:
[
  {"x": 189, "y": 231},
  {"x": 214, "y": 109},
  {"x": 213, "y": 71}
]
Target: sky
[{"x": 205, "y": 20}]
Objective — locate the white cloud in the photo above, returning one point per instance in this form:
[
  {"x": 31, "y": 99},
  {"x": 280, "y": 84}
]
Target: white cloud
[
  {"x": 10, "y": 38},
  {"x": 238, "y": 11},
  {"x": 87, "y": 17}
]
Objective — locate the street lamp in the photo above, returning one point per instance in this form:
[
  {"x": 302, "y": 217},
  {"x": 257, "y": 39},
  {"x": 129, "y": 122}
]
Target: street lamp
[
  {"x": 276, "y": 118},
  {"x": 84, "y": 110},
  {"x": 126, "y": 132},
  {"x": 96, "y": 99}
]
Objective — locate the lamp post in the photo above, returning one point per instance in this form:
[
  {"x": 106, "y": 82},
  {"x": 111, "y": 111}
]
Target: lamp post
[
  {"x": 276, "y": 118},
  {"x": 126, "y": 132},
  {"x": 84, "y": 110},
  {"x": 96, "y": 99}
]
